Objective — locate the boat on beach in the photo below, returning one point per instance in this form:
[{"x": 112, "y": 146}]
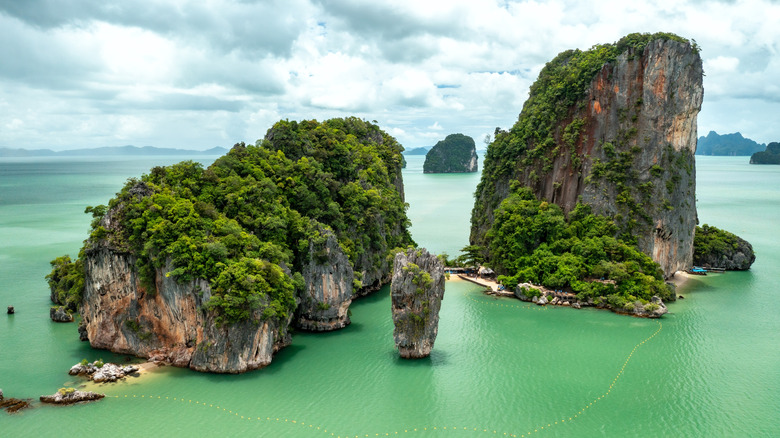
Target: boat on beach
[{"x": 697, "y": 270}]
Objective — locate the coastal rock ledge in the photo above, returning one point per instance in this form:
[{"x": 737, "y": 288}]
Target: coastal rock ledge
[
  {"x": 68, "y": 396},
  {"x": 416, "y": 290},
  {"x": 98, "y": 373}
]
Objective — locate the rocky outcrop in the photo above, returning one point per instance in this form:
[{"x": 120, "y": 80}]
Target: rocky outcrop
[
  {"x": 12, "y": 405},
  {"x": 716, "y": 248},
  {"x": 653, "y": 309},
  {"x": 329, "y": 280},
  {"x": 59, "y": 314},
  {"x": 541, "y": 296},
  {"x": 457, "y": 153},
  {"x": 625, "y": 146},
  {"x": 11, "y": 310},
  {"x": 100, "y": 372},
  {"x": 69, "y": 396},
  {"x": 416, "y": 290}
]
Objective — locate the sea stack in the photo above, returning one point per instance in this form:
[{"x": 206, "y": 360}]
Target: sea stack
[
  {"x": 457, "y": 153},
  {"x": 620, "y": 138},
  {"x": 417, "y": 289}
]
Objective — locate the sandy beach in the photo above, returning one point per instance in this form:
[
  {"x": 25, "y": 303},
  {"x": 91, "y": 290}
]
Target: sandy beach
[{"x": 679, "y": 278}]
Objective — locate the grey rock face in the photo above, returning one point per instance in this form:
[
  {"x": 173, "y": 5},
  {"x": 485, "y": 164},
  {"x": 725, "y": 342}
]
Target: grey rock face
[
  {"x": 328, "y": 276},
  {"x": 167, "y": 324},
  {"x": 416, "y": 290},
  {"x": 59, "y": 314}
]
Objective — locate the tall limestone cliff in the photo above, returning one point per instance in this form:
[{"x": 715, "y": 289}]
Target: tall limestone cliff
[
  {"x": 208, "y": 268},
  {"x": 613, "y": 127},
  {"x": 416, "y": 291}
]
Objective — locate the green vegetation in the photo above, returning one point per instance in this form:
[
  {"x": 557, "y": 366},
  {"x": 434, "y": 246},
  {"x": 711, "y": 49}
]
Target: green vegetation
[
  {"x": 711, "y": 241},
  {"x": 66, "y": 280},
  {"x": 770, "y": 156},
  {"x": 420, "y": 278},
  {"x": 244, "y": 224},
  {"x": 453, "y": 154},
  {"x": 531, "y": 241},
  {"x": 66, "y": 391}
]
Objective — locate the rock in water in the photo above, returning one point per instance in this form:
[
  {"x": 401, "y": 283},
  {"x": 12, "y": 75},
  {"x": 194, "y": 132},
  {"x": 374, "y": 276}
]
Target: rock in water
[
  {"x": 59, "y": 314},
  {"x": 620, "y": 137},
  {"x": 11, "y": 310},
  {"x": 718, "y": 248},
  {"x": 457, "y": 153},
  {"x": 417, "y": 290},
  {"x": 12, "y": 405},
  {"x": 67, "y": 396},
  {"x": 328, "y": 293}
]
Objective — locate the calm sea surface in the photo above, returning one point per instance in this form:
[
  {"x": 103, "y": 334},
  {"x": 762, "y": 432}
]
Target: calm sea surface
[{"x": 711, "y": 367}]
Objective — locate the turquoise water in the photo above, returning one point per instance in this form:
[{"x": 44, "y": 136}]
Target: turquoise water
[{"x": 499, "y": 367}]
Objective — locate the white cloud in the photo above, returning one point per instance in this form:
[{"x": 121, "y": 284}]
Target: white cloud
[
  {"x": 721, "y": 64},
  {"x": 203, "y": 74}
]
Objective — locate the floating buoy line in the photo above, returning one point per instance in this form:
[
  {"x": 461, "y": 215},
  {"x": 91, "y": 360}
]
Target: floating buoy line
[{"x": 322, "y": 430}]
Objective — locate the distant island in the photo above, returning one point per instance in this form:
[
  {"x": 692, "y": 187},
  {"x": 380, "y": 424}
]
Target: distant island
[
  {"x": 769, "y": 156},
  {"x": 457, "y": 153},
  {"x": 728, "y": 144},
  {"x": 108, "y": 151},
  {"x": 422, "y": 150}
]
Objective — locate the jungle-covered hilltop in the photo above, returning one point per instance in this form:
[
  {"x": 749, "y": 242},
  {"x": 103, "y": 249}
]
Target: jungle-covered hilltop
[{"x": 208, "y": 268}]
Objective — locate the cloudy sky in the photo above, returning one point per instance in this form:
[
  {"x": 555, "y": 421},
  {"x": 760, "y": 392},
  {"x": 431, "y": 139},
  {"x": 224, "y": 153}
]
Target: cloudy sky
[{"x": 203, "y": 73}]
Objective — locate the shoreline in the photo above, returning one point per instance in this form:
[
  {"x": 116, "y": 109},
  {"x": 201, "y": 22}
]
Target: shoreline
[{"x": 679, "y": 278}]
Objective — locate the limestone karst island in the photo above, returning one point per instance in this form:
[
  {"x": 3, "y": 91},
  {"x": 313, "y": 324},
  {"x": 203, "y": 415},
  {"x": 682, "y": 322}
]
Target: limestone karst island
[
  {"x": 455, "y": 154},
  {"x": 590, "y": 195}
]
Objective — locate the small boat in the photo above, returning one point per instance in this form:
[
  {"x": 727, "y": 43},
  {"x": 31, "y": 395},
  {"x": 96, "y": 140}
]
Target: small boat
[{"x": 697, "y": 271}]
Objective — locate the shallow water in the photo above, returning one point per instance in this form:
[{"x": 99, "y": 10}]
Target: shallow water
[{"x": 499, "y": 367}]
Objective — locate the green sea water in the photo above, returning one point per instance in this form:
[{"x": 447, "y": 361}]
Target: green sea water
[{"x": 711, "y": 367}]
